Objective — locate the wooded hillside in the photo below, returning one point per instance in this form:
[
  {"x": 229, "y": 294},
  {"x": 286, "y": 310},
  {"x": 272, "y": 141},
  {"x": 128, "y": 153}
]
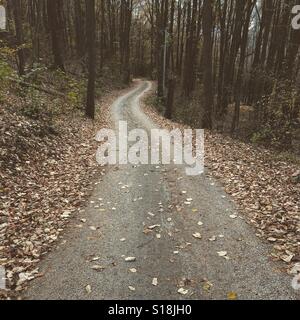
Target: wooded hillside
[
  {"x": 69, "y": 68},
  {"x": 233, "y": 65}
]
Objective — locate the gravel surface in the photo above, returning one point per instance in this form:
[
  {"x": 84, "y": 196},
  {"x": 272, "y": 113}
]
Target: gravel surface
[{"x": 113, "y": 227}]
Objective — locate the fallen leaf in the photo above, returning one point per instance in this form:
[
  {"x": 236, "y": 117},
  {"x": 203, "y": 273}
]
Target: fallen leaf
[
  {"x": 287, "y": 258},
  {"x": 98, "y": 268},
  {"x": 155, "y": 282},
  {"x": 66, "y": 214},
  {"x": 232, "y": 296},
  {"x": 207, "y": 286},
  {"x": 88, "y": 289},
  {"x": 183, "y": 291},
  {"x": 197, "y": 235},
  {"x": 154, "y": 227},
  {"x": 130, "y": 259},
  {"x": 95, "y": 258},
  {"x": 223, "y": 254}
]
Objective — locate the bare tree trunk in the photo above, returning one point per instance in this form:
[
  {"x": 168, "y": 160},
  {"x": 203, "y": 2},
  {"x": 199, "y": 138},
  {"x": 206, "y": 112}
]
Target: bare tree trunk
[
  {"x": 126, "y": 17},
  {"x": 17, "y": 11},
  {"x": 91, "y": 35},
  {"x": 231, "y": 60},
  {"x": 170, "y": 100},
  {"x": 53, "y": 7},
  {"x": 207, "y": 62},
  {"x": 240, "y": 73},
  {"x": 160, "y": 8},
  {"x": 79, "y": 28}
]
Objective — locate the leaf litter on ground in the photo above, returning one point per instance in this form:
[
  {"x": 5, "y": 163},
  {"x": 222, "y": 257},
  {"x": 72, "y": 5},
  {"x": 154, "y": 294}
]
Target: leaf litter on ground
[
  {"x": 261, "y": 184},
  {"x": 43, "y": 182}
]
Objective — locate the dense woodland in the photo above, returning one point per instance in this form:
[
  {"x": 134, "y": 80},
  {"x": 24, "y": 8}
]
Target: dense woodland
[
  {"x": 224, "y": 64},
  {"x": 229, "y": 66}
]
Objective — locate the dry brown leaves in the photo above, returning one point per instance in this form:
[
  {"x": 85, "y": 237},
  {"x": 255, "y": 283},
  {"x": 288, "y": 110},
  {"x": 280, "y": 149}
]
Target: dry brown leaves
[
  {"x": 44, "y": 181},
  {"x": 261, "y": 185}
]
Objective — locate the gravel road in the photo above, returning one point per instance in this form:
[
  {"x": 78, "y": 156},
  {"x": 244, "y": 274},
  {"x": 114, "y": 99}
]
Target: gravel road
[{"x": 126, "y": 201}]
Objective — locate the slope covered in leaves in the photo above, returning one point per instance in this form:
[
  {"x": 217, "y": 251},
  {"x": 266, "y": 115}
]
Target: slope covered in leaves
[
  {"x": 46, "y": 173},
  {"x": 261, "y": 183}
]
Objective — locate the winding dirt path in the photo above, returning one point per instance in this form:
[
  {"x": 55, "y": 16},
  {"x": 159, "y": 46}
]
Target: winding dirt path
[{"x": 112, "y": 227}]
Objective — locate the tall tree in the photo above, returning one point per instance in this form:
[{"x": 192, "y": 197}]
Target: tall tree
[
  {"x": 91, "y": 39},
  {"x": 190, "y": 64},
  {"x": 17, "y": 11},
  {"x": 207, "y": 64},
  {"x": 125, "y": 27},
  {"x": 79, "y": 28},
  {"x": 239, "y": 78},
  {"x": 54, "y": 11}
]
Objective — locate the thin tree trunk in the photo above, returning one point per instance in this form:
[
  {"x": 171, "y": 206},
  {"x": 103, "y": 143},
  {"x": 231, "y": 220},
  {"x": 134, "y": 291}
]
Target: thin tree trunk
[
  {"x": 91, "y": 37},
  {"x": 53, "y": 7},
  {"x": 240, "y": 73},
  {"x": 17, "y": 10},
  {"x": 79, "y": 28},
  {"x": 207, "y": 62}
]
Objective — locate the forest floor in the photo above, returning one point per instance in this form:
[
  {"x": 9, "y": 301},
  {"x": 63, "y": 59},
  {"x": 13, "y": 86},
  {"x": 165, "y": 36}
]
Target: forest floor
[
  {"x": 151, "y": 232},
  {"x": 47, "y": 172}
]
